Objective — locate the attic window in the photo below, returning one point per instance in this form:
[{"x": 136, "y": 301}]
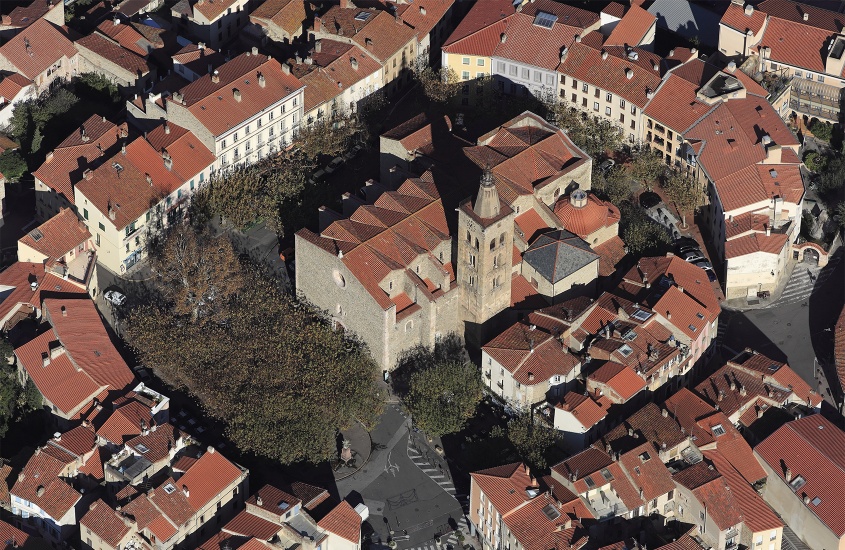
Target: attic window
[
  {"x": 718, "y": 430},
  {"x": 797, "y": 482},
  {"x": 545, "y": 19},
  {"x": 283, "y": 505},
  {"x": 645, "y": 457},
  {"x": 699, "y": 315},
  {"x": 169, "y": 489},
  {"x": 816, "y": 501},
  {"x": 607, "y": 475},
  {"x": 362, "y": 16},
  {"x": 692, "y": 328},
  {"x": 773, "y": 173},
  {"x": 641, "y": 315},
  {"x": 590, "y": 483},
  {"x": 626, "y": 350},
  {"x": 551, "y": 512},
  {"x": 117, "y": 167},
  {"x": 36, "y": 234},
  {"x": 773, "y": 367},
  {"x": 630, "y": 335},
  {"x": 141, "y": 448}
]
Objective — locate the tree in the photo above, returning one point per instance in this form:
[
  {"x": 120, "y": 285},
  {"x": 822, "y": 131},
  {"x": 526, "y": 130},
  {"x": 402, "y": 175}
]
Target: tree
[
  {"x": 684, "y": 191},
  {"x": 613, "y": 185},
  {"x": 444, "y": 396},
  {"x": 9, "y": 391},
  {"x": 271, "y": 368},
  {"x": 532, "y": 440},
  {"x": 594, "y": 135},
  {"x": 647, "y": 166},
  {"x": 641, "y": 234},
  {"x": 12, "y": 165},
  {"x": 450, "y": 348},
  {"x": 815, "y": 161},
  {"x": 839, "y": 214},
  {"x": 821, "y": 130},
  {"x": 439, "y": 86}
]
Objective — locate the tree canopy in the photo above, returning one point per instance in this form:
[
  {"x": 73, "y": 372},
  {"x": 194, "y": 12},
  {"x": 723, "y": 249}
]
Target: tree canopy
[
  {"x": 641, "y": 234},
  {"x": 12, "y": 165},
  {"x": 532, "y": 440},
  {"x": 594, "y": 135},
  {"x": 684, "y": 191},
  {"x": 439, "y": 86},
  {"x": 613, "y": 185},
  {"x": 647, "y": 166},
  {"x": 271, "y": 368},
  {"x": 444, "y": 396}
]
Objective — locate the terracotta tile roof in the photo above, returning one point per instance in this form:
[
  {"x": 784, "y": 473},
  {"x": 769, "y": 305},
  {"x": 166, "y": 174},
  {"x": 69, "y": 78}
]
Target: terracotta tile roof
[
  {"x": 736, "y": 18},
  {"x": 77, "y": 324},
  {"x": 794, "y": 11},
  {"x": 570, "y": 502},
  {"x": 647, "y": 472},
  {"x": 684, "y": 542},
  {"x": 839, "y": 349},
  {"x": 127, "y": 36},
  {"x": 23, "y": 16},
  {"x": 125, "y": 423},
  {"x": 212, "y": 9},
  {"x": 60, "y": 383},
  {"x": 160, "y": 440},
  {"x": 380, "y": 34},
  {"x": 730, "y": 444},
  {"x": 12, "y": 84},
  {"x": 610, "y": 252},
  {"x": 482, "y": 42},
  {"x": 620, "y": 378},
  {"x": 331, "y": 75},
  {"x": 649, "y": 424},
  {"x": 120, "y": 184},
  {"x": 288, "y": 15},
  {"x": 653, "y": 270},
  {"x": 12, "y": 536},
  {"x": 42, "y": 473},
  {"x": 512, "y": 349},
  {"x": 586, "y": 219},
  {"x": 583, "y": 465},
  {"x": 746, "y": 223},
  {"x": 482, "y": 15},
  {"x": 310, "y": 495},
  {"x": 583, "y": 408},
  {"x": 105, "y": 522},
  {"x": 529, "y": 223},
  {"x": 756, "y": 242},
  {"x": 272, "y": 497},
  {"x": 79, "y": 440},
  {"x": 58, "y": 235},
  {"x": 247, "y": 524},
  {"x": 35, "y": 49},
  {"x": 521, "y": 33},
  {"x": 214, "y": 105},
  {"x": 188, "y": 155},
  {"x": 424, "y": 17},
  {"x": 142, "y": 511},
  {"x": 524, "y": 295},
  {"x": 712, "y": 491},
  {"x": 198, "y": 60},
  {"x": 80, "y": 150},
  {"x": 211, "y": 475},
  {"x": 675, "y": 104},
  {"x": 811, "y": 448},
  {"x": 632, "y": 28},
  {"x": 93, "y": 467},
  {"x": 388, "y": 235},
  {"x": 687, "y": 408},
  {"x": 779, "y": 372},
  {"x": 183, "y": 463},
  {"x": 614, "y": 9},
  {"x": 795, "y": 44},
  {"x": 531, "y": 526},
  {"x": 162, "y": 528},
  {"x": 344, "y": 522},
  {"x": 756, "y": 513},
  {"x": 174, "y": 506},
  {"x": 686, "y": 314},
  {"x": 504, "y": 486}
]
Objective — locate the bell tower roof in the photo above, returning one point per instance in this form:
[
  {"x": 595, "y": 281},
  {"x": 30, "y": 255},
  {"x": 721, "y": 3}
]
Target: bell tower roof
[{"x": 487, "y": 203}]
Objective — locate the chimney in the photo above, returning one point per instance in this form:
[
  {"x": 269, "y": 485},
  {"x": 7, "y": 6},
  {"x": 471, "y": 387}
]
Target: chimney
[
  {"x": 318, "y": 24},
  {"x": 236, "y": 93},
  {"x": 806, "y": 16},
  {"x": 149, "y": 180},
  {"x": 116, "y": 20},
  {"x": 604, "y": 54},
  {"x": 254, "y": 50},
  {"x": 563, "y": 52},
  {"x": 354, "y": 63},
  {"x": 668, "y": 315},
  {"x": 733, "y": 385},
  {"x": 422, "y": 10},
  {"x": 39, "y": 492},
  {"x": 749, "y": 10},
  {"x": 166, "y": 128},
  {"x": 630, "y": 432},
  {"x": 262, "y": 82},
  {"x": 49, "y": 157},
  {"x": 530, "y": 376},
  {"x": 318, "y": 46},
  {"x": 64, "y": 311},
  {"x": 186, "y": 491},
  {"x": 201, "y": 46},
  {"x": 344, "y": 4},
  {"x": 768, "y": 230},
  {"x": 788, "y": 475},
  {"x": 215, "y": 78},
  {"x": 369, "y": 43},
  {"x": 87, "y": 174},
  {"x": 122, "y": 149},
  {"x": 56, "y": 349},
  {"x": 742, "y": 391},
  {"x": 759, "y": 412},
  {"x": 45, "y": 359},
  {"x": 806, "y": 497},
  {"x": 665, "y": 413},
  {"x": 286, "y": 67},
  {"x": 578, "y": 38},
  {"x": 629, "y": 73},
  {"x": 112, "y": 212}
]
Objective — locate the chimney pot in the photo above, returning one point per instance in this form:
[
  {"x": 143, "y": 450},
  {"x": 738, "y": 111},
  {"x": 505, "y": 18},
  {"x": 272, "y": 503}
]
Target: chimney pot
[{"x": 236, "y": 93}]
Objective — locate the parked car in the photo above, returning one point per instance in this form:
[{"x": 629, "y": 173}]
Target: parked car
[
  {"x": 607, "y": 165},
  {"x": 711, "y": 275},
  {"x": 704, "y": 264},
  {"x": 115, "y": 297}
]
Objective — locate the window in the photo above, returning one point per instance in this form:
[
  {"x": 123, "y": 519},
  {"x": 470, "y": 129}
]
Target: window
[
  {"x": 608, "y": 98},
  {"x": 607, "y": 111},
  {"x": 103, "y": 227},
  {"x": 479, "y": 75},
  {"x": 584, "y": 102},
  {"x": 85, "y": 213},
  {"x": 480, "y": 62},
  {"x": 465, "y": 75},
  {"x": 798, "y": 73},
  {"x": 465, "y": 61},
  {"x": 192, "y": 185},
  {"x": 538, "y": 76},
  {"x": 585, "y": 87},
  {"x": 596, "y": 106},
  {"x": 97, "y": 240},
  {"x": 820, "y": 78},
  {"x": 633, "y": 109},
  {"x": 526, "y": 74},
  {"x": 562, "y": 80},
  {"x": 621, "y": 103},
  {"x": 701, "y": 515},
  {"x": 500, "y": 67},
  {"x": 512, "y": 70},
  {"x": 472, "y": 260},
  {"x": 223, "y": 144},
  {"x": 773, "y": 535}
]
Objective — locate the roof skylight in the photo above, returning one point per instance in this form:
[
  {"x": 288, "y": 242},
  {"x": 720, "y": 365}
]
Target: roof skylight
[{"x": 545, "y": 19}]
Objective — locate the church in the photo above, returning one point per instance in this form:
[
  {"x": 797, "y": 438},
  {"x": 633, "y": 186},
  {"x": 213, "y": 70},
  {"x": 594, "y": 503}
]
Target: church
[{"x": 459, "y": 236}]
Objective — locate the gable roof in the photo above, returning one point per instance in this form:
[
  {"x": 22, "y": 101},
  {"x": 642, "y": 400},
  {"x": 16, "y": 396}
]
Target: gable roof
[
  {"x": 712, "y": 490},
  {"x": 58, "y": 235},
  {"x": 738, "y": 19},
  {"x": 288, "y": 15},
  {"x": 105, "y": 48},
  {"x": 587, "y": 411},
  {"x": 647, "y": 472},
  {"x": 621, "y": 378},
  {"x": 208, "y": 477},
  {"x": 36, "y": 48},
  {"x": 41, "y": 475},
  {"x": 188, "y": 155},
  {"x": 647, "y": 423},
  {"x": 344, "y": 522},
  {"x": 504, "y": 485},
  {"x": 482, "y": 15},
  {"x": 632, "y": 28},
  {"x": 105, "y": 522}
]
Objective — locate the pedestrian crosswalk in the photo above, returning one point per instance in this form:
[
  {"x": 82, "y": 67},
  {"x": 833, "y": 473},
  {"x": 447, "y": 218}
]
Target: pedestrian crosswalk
[
  {"x": 432, "y": 468},
  {"x": 804, "y": 279}
]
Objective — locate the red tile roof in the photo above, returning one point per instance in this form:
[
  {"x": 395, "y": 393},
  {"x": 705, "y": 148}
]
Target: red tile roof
[
  {"x": 288, "y": 15},
  {"x": 344, "y": 522},
  {"x": 811, "y": 448},
  {"x": 504, "y": 486},
  {"x": 756, "y": 242},
  {"x": 98, "y": 45},
  {"x": 524, "y": 295},
  {"x": 647, "y": 423},
  {"x": 610, "y": 252},
  {"x": 614, "y": 9},
  {"x": 534, "y": 530},
  {"x": 18, "y": 294},
  {"x": 93, "y": 467},
  {"x": 105, "y": 522},
  {"x": 125, "y": 423},
  {"x": 212, "y": 9},
  {"x": 632, "y": 28},
  {"x": 214, "y": 104},
  {"x": 780, "y": 372},
  {"x": 12, "y": 84},
  {"x": 584, "y": 220},
  {"x": 839, "y": 349},
  {"x": 795, "y": 44},
  {"x": 647, "y": 472},
  {"x": 712, "y": 490},
  {"x": 583, "y": 408},
  {"x": 80, "y": 150},
  {"x": 530, "y": 224},
  {"x": 127, "y": 36},
  {"x": 159, "y": 440},
  {"x": 41, "y": 475},
  {"x": 206, "y": 479},
  {"x": 329, "y": 76},
  {"x": 198, "y": 59},
  {"x": 620, "y": 378},
  {"x": 37, "y": 48},
  {"x": 735, "y": 17},
  {"x": 482, "y": 15},
  {"x": 423, "y": 16},
  {"x": 77, "y": 324},
  {"x": 60, "y": 382},
  {"x": 162, "y": 528},
  {"x": 675, "y": 104},
  {"x": 188, "y": 155},
  {"x": 249, "y": 525},
  {"x": 382, "y": 35},
  {"x": 12, "y": 536},
  {"x": 58, "y": 235}
]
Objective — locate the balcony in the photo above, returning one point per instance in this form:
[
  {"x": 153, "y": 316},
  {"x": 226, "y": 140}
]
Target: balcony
[
  {"x": 607, "y": 504},
  {"x": 659, "y": 129}
]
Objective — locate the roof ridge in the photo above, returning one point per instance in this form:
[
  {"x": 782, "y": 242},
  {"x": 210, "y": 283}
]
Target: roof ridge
[{"x": 800, "y": 434}]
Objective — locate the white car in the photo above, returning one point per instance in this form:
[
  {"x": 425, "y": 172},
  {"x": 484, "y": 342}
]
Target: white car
[{"x": 115, "y": 297}]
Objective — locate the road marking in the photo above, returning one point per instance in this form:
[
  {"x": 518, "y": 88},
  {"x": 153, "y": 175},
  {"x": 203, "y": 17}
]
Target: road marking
[{"x": 392, "y": 468}]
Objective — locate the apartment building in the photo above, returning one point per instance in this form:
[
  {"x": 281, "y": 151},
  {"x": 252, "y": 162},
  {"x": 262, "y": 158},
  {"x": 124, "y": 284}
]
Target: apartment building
[
  {"x": 41, "y": 53},
  {"x": 578, "y": 418},
  {"x": 139, "y": 190},
  {"x": 280, "y": 20},
  {"x": 23, "y": 16},
  {"x": 212, "y": 22},
  {"x": 119, "y": 53},
  {"x": 706, "y": 500}
]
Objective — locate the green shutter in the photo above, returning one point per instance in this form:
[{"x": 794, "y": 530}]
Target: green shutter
[{"x": 85, "y": 213}]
